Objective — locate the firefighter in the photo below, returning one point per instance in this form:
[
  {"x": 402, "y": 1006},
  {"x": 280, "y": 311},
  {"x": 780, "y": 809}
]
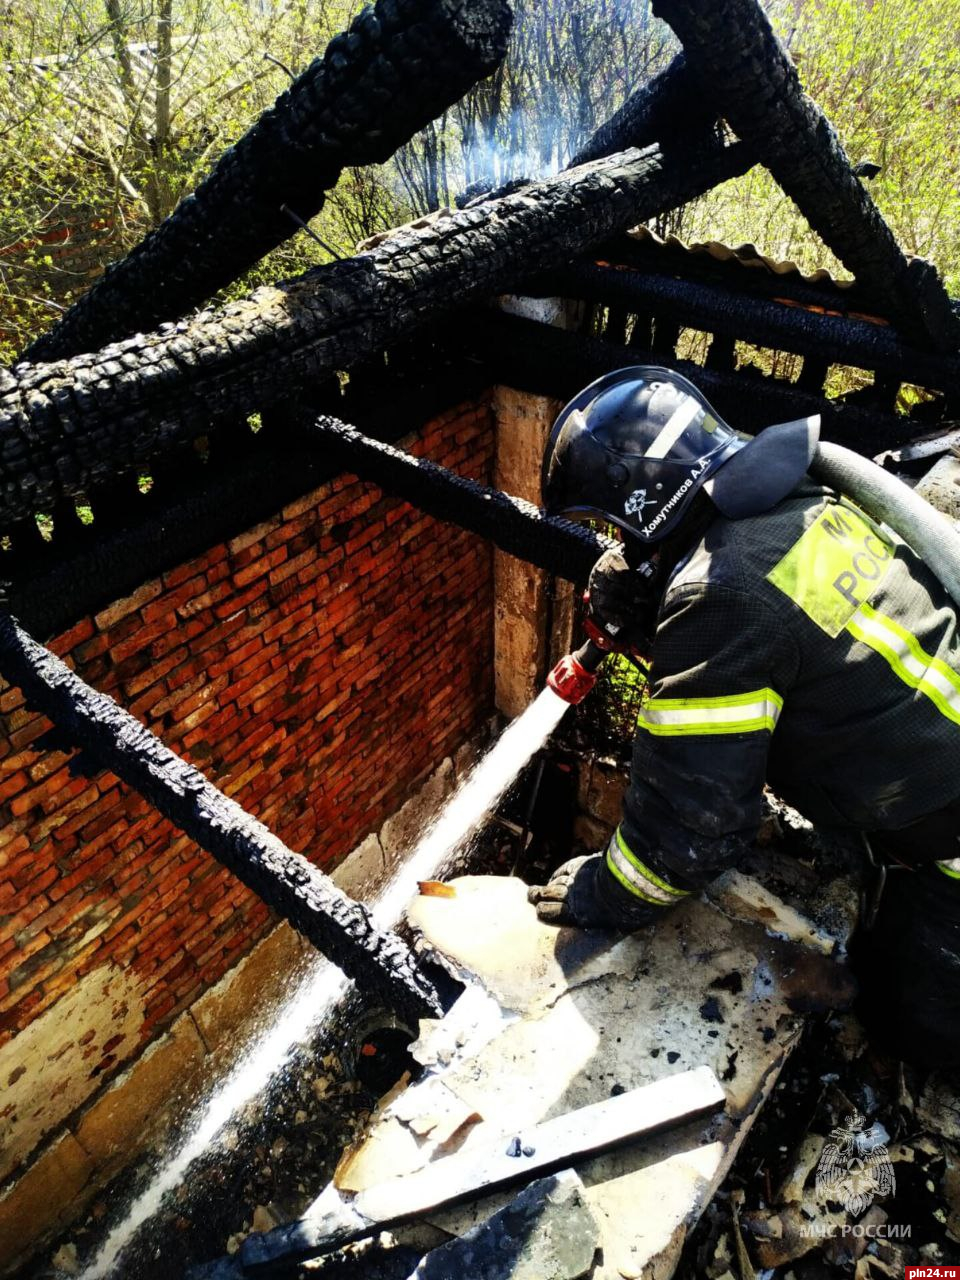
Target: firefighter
[{"x": 793, "y": 641}]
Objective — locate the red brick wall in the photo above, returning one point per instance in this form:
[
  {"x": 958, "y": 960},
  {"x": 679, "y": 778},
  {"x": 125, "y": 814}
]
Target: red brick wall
[{"x": 316, "y": 668}]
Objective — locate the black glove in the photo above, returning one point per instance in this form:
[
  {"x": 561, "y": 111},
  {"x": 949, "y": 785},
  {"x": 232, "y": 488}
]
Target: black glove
[
  {"x": 583, "y": 893},
  {"x": 622, "y": 601}
]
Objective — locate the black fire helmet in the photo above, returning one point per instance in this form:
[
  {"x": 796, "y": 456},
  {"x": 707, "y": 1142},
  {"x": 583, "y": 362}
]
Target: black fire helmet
[{"x": 634, "y": 448}]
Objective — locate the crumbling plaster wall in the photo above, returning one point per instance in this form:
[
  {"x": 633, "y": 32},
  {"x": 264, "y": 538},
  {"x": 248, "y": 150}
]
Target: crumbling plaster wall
[{"x": 318, "y": 668}]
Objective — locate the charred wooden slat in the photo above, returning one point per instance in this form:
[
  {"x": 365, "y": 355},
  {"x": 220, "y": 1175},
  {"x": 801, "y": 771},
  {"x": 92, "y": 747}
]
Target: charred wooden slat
[
  {"x": 656, "y": 112},
  {"x": 333, "y": 1221},
  {"x": 399, "y": 66},
  {"x": 568, "y": 550},
  {"x": 70, "y": 425},
  {"x": 109, "y": 737},
  {"x": 734, "y": 55},
  {"x": 539, "y": 358},
  {"x": 836, "y": 339},
  {"x": 743, "y": 275}
]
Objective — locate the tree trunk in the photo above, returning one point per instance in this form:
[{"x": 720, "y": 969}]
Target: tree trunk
[{"x": 160, "y": 177}]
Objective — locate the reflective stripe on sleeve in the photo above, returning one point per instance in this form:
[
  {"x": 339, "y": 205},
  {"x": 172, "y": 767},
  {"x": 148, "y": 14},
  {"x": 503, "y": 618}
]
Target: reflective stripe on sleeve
[
  {"x": 736, "y": 713},
  {"x": 908, "y": 660},
  {"x": 950, "y": 867},
  {"x": 637, "y": 878}
]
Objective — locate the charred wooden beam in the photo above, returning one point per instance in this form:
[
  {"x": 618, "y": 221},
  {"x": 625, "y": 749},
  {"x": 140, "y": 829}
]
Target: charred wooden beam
[
  {"x": 837, "y": 339},
  {"x": 400, "y": 65},
  {"x": 52, "y": 585},
  {"x": 70, "y": 425},
  {"x": 656, "y": 112},
  {"x": 560, "y": 547},
  {"x": 539, "y": 358},
  {"x": 108, "y": 737},
  {"x": 734, "y": 55}
]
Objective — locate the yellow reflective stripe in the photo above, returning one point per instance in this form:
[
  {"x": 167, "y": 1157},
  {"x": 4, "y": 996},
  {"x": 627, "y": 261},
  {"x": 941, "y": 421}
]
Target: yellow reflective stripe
[
  {"x": 735, "y": 713},
  {"x": 909, "y": 661},
  {"x": 950, "y": 868},
  {"x": 636, "y": 877},
  {"x": 628, "y": 883},
  {"x": 644, "y": 870}
]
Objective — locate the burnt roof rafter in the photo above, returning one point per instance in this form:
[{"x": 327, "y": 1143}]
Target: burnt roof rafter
[
  {"x": 108, "y": 737},
  {"x": 365, "y": 97},
  {"x": 734, "y": 56},
  {"x": 69, "y": 425},
  {"x": 556, "y": 362},
  {"x": 777, "y": 323},
  {"x": 734, "y": 67}
]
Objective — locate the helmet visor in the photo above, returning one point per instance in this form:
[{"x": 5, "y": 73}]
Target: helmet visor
[{"x": 633, "y": 449}]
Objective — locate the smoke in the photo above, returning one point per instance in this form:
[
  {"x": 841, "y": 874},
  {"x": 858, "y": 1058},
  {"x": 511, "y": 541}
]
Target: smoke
[{"x": 498, "y": 160}]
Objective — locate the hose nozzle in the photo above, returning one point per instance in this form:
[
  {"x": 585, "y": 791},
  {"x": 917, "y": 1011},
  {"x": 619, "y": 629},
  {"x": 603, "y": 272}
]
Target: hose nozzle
[{"x": 575, "y": 675}]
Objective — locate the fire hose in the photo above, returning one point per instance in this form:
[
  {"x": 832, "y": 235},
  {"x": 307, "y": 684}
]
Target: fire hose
[{"x": 881, "y": 495}]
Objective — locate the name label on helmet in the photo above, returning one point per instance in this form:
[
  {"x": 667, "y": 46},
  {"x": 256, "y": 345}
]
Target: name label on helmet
[
  {"x": 835, "y": 566},
  {"x": 648, "y": 530}
]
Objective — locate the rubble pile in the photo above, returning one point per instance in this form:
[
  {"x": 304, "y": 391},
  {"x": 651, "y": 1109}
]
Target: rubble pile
[{"x": 852, "y": 1169}]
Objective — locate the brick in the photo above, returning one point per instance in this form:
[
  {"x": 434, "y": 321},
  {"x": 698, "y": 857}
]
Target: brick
[
  {"x": 68, "y": 640},
  {"x": 238, "y": 603},
  {"x": 258, "y": 533},
  {"x": 260, "y": 566},
  {"x": 308, "y": 502},
  {"x": 108, "y": 618},
  {"x": 182, "y": 573},
  {"x": 305, "y": 726},
  {"x": 205, "y": 601}
]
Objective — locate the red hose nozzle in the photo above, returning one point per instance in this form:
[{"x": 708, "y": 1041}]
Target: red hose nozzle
[{"x": 575, "y": 675}]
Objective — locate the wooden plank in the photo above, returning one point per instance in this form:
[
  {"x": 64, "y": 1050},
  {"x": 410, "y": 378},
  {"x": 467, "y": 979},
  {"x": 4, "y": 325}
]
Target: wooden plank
[{"x": 331, "y": 1223}]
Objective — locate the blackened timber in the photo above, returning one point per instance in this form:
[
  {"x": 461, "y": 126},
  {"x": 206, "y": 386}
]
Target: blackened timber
[
  {"x": 51, "y": 585},
  {"x": 110, "y": 738},
  {"x": 657, "y": 110},
  {"x": 746, "y": 275},
  {"x": 539, "y": 358},
  {"x": 734, "y": 55},
  {"x": 68, "y": 426},
  {"x": 764, "y": 321},
  {"x": 568, "y": 550},
  {"x": 356, "y": 105}
]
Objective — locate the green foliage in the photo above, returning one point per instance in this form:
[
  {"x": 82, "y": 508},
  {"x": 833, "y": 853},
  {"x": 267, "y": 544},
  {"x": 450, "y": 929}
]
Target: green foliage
[
  {"x": 887, "y": 74},
  {"x": 111, "y": 111}
]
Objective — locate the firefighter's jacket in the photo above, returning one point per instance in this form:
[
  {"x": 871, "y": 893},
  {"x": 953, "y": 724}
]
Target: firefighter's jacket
[{"x": 810, "y": 648}]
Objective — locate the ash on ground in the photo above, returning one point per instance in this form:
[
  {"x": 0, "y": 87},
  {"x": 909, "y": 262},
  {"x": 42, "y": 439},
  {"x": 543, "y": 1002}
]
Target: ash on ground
[
  {"x": 276, "y": 1155},
  {"x": 851, "y": 1169}
]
